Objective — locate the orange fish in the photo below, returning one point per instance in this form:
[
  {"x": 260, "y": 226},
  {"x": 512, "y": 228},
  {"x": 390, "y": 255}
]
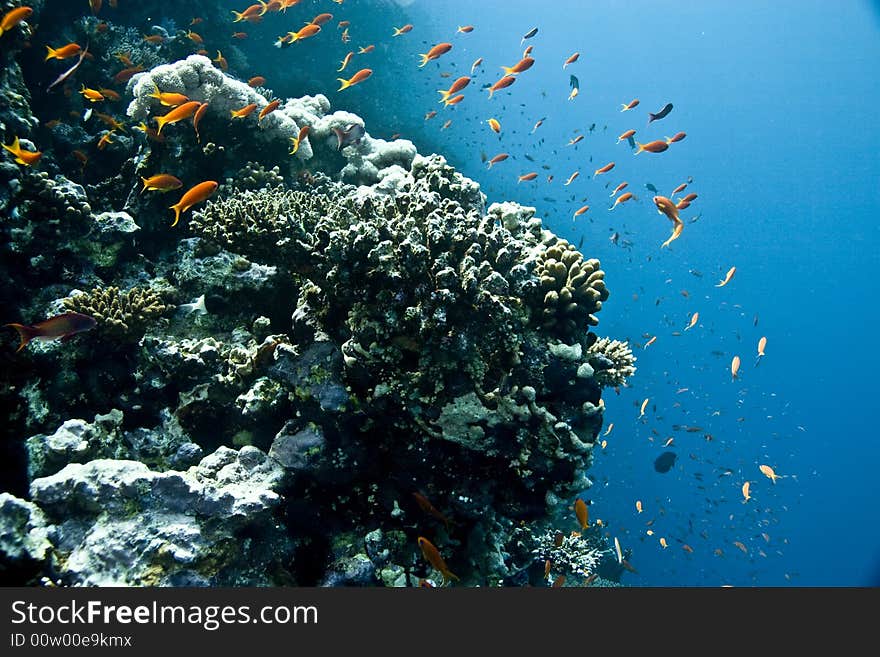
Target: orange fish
[
  {"x": 639, "y": 506},
  {"x": 345, "y": 62},
  {"x": 678, "y": 136},
  {"x": 321, "y": 19},
  {"x": 239, "y": 35},
  {"x": 268, "y": 109},
  {"x": 666, "y": 207},
  {"x": 168, "y": 99},
  {"x": 742, "y": 547},
  {"x": 61, "y": 326},
  {"x": 465, "y": 29},
  {"x": 724, "y": 281},
  {"x": 734, "y": 367},
  {"x": 572, "y": 177},
  {"x": 109, "y": 94},
  {"x": 251, "y": 14},
  {"x": 650, "y": 342},
  {"x": 426, "y": 506},
  {"x": 768, "y": 472},
  {"x": 571, "y": 60},
  {"x": 125, "y": 58},
  {"x": 559, "y": 582},
  {"x": 626, "y": 135},
  {"x": 523, "y": 65},
  {"x": 180, "y": 113},
  {"x": 694, "y": 319},
  {"x": 503, "y": 83},
  {"x": 454, "y": 101},
  {"x": 432, "y": 556},
  {"x": 581, "y": 210},
  {"x": 221, "y": 61},
  {"x": 95, "y": 5},
  {"x": 309, "y": 30},
  {"x": 430, "y": 115},
  {"x": 345, "y": 38},
  {"x": 197, "y": 118},
  {"x": 457, "y": 86},
  {"x": 358, "y": 77},
  {"x": 498, "y": 158},
  {"x": 663, "y": 543},
  {"x": 680, "y": 188},
  {"x": 745, "y": 492},
  {"x": 243, "y": 112},
  {"x": 689, "y": 198},
  {"x": 575, "y": 140},
  {"x": 296, "y": 141},
  {"x": 161, "y": 182},
  {"x": 656, "y": 146},
  {"x": 257, "y": 81},
  {"x": 110, "y": 121},
  {"x": 623, "y": 198},
  {"x": 402, "y": 30},
  {"x": 435, "y": 52},
  {"x": 70, "y": 50},
  {"x": 687, "y": 548},
  {"x": 194, "y": 21},
  {"x": 446, "y": 125},
  {"x": 154, "y": 38},
  {"x": 604, "y": 169},
  {"x": 105, "y": 140},
  {"x": 527, "y": 177},
  {"x": 367, "y": 50},
  {"x": 630, "y": 105},
  {"x": 496, "y": 127},
  {"x": 92, "y": 95},
  {"x": 619, "y": 188},
  {"x": 127, "y": 73},
  {"x": 13, "y": 17},
  {"x": 23, "y": 157},
  {"x": 582, "y": 513},
  {"x": 195, "y": 195},
  {"x": 195, "y": 37}
]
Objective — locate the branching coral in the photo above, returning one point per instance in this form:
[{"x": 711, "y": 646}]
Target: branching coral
[
  {"x": 123, "y": 314},
  {"x": 574, "y": 554},
  {"x": 574, "y": 290},
  {"x": 255, "y": 176},
  {"x": 266, "y": 223},
  {"x": 612, "y": 361}
]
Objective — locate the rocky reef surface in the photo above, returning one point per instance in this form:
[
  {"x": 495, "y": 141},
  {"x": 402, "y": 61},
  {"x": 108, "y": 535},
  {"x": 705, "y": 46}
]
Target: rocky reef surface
[{"x": 343, "y": 350}]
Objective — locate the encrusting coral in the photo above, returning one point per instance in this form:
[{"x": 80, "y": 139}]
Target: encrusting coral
[
  {"x": 613, "y": 361},
  {"x": 123, "y": 314}
]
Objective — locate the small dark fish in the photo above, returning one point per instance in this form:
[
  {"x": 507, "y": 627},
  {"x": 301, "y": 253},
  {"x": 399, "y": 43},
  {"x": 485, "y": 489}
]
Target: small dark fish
[
  {"x": 529, "y": 34},
  {"x": 650, "y": 187},
  {"x": 661, "y": 114},
  {"x": 664, "y": 462},
  {"x": 61, "y": 326},
  {"x": 529, "y": 157},
  {"x": 632, "y": 144},
  {"x": 351, "y": 134},
  {"x": 573, "y": 82},
  {"x": 755, "y": 322}
]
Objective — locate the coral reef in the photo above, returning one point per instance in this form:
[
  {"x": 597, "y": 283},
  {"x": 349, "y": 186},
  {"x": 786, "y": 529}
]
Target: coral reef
[
  {"x": 574, "y": 289},
  {"x": 125, "y": 314},
  {"x": 612, "y": 361},
  {"x": 118, "y": 523},
  {"x": 355, "y": 334}
]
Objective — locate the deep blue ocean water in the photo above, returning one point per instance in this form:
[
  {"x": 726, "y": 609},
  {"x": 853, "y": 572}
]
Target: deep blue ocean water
[{"x": 778, "y": 102}]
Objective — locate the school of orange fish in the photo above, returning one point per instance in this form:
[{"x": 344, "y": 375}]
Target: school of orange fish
[{"x": 182, "y": 108}]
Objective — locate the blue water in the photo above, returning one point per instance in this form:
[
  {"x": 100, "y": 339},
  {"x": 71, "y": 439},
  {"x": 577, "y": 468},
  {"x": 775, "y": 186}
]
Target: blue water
[{"x": 778, "y": 101}]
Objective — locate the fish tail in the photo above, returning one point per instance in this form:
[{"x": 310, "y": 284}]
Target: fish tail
[
  {"x": 51, "y": 52},
  {"x": 507, "y": 70},
  {"x": 238, "y": 17},
  {"x": 425, "y": 60},
  {"x": 345, "y": 84},
  {"x": 651, "y": 117},
  {"x": 25, "y": 333},
  {"x": 641, "y": 147},
  {"x": 444, "y": 93},
  {"x": 160, "y": 121},
  {"x": 176, "y": 209},
  {"x": 145, "y": 184}
]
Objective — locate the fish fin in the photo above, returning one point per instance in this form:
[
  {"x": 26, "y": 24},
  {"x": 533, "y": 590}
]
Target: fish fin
[
  {"x": 651, "y": 117},
  {"x": 425, "y": 60},
  {"x": 51, "y": 52},
  {"x": 345, "y": 84},
  {"x": 339, "y": 136},
  {"x": 176, "y": 209},
  {"x": 25, "y": 333}
]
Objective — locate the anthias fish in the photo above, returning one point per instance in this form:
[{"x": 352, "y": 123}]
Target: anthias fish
[{"x": 61, "y": 326}]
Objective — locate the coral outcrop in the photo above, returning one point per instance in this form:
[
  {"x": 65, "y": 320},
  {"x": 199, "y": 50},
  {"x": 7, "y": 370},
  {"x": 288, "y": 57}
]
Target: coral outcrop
[{"x": 125, "y": 314}]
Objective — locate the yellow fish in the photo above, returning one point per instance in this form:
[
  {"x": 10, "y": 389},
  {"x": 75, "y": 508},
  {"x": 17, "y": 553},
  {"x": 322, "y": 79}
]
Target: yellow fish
[{"x": 745, "y": 492}]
